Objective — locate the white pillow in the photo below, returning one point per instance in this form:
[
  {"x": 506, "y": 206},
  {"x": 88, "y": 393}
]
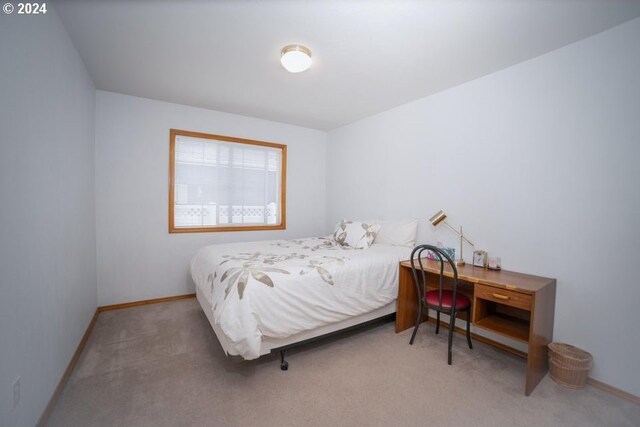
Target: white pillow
[
  {"x": 355, "y": 234},
  {"x": 398, "y": 233}
]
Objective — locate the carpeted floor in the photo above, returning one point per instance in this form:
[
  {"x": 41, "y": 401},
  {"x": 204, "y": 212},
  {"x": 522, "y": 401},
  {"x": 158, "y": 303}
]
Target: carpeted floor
[{"x": 161, "y": 365}]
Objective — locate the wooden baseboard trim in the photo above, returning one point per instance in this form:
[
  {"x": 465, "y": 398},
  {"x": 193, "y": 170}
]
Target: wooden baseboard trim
[
  {"x": 144, "y": 302},
  {"x": 67, "y": 373},
  {"x": 613, "y": 390},
  {"x": 482, "y": 339}
]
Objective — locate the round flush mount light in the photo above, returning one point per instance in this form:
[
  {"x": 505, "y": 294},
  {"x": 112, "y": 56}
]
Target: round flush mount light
[{"x": 295, "y": 58}]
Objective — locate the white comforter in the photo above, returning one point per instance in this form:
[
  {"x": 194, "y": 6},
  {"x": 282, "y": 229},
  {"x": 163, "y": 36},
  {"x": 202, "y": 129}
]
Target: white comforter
[{"x": 282, "y": 287}]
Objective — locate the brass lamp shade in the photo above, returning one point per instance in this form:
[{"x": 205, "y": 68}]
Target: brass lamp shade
[{"x": 438, "y": 218}]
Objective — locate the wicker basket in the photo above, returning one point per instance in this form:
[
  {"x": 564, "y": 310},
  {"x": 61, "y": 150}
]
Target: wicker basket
[{"x": 569, "y": 365}]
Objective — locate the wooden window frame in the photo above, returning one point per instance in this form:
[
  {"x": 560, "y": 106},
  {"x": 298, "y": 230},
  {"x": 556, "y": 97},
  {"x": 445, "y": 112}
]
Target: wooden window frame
[{"x": 283, "y": 183}]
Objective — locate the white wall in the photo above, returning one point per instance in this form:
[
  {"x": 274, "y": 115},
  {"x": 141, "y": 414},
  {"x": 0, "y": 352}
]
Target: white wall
[
  {"x": 539, "y": 163},
  {"x": 47, "y": 216},
  {"x": 137, "y": 258}
]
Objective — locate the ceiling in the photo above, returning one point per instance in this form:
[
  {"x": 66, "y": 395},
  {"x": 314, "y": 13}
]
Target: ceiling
[{"x": 369, "y": 56}]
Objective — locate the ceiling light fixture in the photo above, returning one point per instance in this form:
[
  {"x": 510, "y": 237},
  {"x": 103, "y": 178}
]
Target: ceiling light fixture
[{"x": 295, "y": 58}]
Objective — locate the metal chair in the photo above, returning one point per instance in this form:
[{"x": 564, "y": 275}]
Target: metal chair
[{"x": 441, "y": 300}]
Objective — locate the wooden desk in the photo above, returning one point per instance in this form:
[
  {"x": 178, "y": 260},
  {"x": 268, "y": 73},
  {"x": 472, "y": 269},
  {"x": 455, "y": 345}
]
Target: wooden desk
[{"x": 515, "y": 305}]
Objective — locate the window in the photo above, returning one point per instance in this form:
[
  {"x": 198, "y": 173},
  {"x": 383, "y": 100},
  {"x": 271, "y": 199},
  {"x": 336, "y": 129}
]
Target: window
[{"x": 220, "y": 183}]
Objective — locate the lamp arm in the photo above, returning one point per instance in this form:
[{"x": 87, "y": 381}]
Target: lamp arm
[
  {"x": 452, "y": 229},
  {"x": 458, "y": 233}
]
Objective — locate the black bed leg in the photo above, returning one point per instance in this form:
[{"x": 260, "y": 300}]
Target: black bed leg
[{"x": 284, "y": 365}]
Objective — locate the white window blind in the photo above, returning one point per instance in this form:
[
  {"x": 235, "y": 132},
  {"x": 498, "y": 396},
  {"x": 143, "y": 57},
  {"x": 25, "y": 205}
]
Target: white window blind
[{"x": 220, "y": 184}]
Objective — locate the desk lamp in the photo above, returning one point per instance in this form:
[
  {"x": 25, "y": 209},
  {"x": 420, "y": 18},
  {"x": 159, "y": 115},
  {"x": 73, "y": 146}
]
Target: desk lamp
[{"x": 441, "y": 217}]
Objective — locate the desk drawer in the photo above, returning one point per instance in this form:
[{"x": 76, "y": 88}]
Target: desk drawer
[{"x": 503, "y": 296}]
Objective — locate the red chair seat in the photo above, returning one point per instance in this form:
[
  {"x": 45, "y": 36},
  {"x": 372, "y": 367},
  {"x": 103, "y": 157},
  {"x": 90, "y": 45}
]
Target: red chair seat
[{"x": 432, "y": 298}]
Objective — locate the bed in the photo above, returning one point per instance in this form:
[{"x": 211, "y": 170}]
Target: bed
[{"x": 265, "y": 296}]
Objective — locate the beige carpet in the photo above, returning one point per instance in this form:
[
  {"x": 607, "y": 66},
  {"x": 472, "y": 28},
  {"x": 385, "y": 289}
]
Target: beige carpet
[{"x": 161, "y": 365}]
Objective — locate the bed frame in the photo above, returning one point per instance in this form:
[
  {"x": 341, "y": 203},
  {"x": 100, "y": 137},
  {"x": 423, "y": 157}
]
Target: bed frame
[{"x": 281, "y": 345}]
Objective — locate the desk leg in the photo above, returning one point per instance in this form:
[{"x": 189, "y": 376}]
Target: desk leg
[
  {"x": 407, "y": 304},
  {"x": 540, "y": 335}
]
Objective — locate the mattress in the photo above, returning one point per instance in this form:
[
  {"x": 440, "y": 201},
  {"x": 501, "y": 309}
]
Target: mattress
[{"x": 281, "y": 288}]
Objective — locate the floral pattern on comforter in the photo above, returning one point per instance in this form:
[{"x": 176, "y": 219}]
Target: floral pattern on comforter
[{"x": 280, "y": 288}]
